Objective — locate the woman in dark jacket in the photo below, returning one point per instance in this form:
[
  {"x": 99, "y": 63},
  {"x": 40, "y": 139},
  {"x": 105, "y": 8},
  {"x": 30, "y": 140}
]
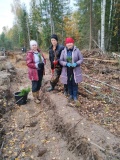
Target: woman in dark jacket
[
  {"x": 54, "y": 56},
  {"x": 35, "y": 62},
  {"x": 71, "y": 59}
]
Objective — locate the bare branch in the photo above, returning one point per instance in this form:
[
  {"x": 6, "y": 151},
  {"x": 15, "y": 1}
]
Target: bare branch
[{"x": 101, "y": 82}]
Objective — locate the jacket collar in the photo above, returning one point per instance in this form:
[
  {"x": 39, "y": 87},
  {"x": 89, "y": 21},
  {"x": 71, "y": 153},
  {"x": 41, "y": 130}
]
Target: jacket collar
[
  {"x": 51, "y": 47},
  {"x": 74, "y": 48},
  {"x": 31, "y": 51}
]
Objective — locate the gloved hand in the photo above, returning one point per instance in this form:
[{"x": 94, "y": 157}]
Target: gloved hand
[
  {"x": 41, "y": 65},
  {"x": 69, "y": 64},
  {"x": 55, "y": 62},
  {"x": 74, "y": 64}
]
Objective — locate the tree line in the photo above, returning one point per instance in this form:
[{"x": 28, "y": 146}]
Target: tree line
[{"x": 92, "y": 23}]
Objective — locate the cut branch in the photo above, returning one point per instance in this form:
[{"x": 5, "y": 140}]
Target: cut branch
[
  {"x": 1, "y": 147},
  {"x": 97, "y": 45},
  {"x": 102, "y": 149},
  {"x": 115, "y": 55},
  {"x": 91, "y": 85},
  {"x": 103, "y": 60},
  {"x": 74, "y": 125},
  {"x": 101, "y": 82}
]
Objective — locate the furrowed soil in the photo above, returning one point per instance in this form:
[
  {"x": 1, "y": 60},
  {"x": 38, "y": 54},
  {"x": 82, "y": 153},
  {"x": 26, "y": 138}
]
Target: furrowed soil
[{"x": 57, "y": 129}]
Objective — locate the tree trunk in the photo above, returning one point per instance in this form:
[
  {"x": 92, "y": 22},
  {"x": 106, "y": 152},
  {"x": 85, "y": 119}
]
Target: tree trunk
[
  {"x": 53, "y": 27},
  {"x": 90, "y": 39},
  {"x": 103, "y": 5},
  {"x": 99, "y": 38},
  {"x": 110, "y": 25},
  {"x": 50, "y": 18},
  {"x": 28, "y": 31}
]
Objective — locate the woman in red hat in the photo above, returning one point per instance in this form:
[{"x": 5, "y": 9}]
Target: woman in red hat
[{"x": 71, "y": 59}]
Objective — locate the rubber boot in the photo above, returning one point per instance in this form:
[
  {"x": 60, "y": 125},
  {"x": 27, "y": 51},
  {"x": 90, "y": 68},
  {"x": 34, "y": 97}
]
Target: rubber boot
[
  {"x": 50, "y": 89},
  {"x": 70, "y": 93},
  {"x": 38, "y": 95},
  {"x": 35, "y": 97},
  {"x": 65, "y": 89}
]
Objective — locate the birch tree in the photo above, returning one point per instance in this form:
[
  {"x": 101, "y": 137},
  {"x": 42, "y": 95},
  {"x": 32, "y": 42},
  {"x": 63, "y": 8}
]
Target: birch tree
[
  {"x": 90, "y": 40},
  {"x": 110, "y": 24},
  {"x": 103, "y": 6}
]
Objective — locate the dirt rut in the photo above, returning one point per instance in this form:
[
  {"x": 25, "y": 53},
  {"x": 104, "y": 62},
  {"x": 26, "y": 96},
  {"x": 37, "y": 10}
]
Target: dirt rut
[
  {"x": 85, "y": 139},
  {"x": 53, "y": 130}
]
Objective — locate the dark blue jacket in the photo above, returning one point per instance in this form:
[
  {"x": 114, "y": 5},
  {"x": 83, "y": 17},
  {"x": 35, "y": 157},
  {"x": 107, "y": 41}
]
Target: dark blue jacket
[{"x": 55, "y": 55}]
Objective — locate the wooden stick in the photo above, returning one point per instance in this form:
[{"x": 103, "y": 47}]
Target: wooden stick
[
  {"x": 91, "y": 85},
  {"x": 115, "y": 55},
  {"x": 1, "y": 147},
  {"x": 103, "y": 96},
  {"x": 74, "y": 125},
  {"x": 97, "y": 45},
  {"x": 103, "y": 60},
  {"x": 88, "y": 91},
  {"x": 102, "y": 149},
  {"x": 101, "y": 82}
]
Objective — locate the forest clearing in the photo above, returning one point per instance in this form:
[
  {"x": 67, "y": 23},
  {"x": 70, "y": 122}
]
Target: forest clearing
[
  {"x": 57, "y": 129},
  {"x": 85, "y": 126}
]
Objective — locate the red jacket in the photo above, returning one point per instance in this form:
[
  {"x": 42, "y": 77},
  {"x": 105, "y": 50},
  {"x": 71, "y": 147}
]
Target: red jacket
[{"x": 32, "y": 70}]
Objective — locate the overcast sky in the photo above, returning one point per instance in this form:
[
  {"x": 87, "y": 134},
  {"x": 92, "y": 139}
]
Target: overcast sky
[{"x": 6, "y": 16}]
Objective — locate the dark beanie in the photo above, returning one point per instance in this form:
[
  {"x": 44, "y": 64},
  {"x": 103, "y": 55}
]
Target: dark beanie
[{"x": 55, "y": 37}]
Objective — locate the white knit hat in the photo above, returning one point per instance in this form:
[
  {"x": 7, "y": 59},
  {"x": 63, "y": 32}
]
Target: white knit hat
[{"x": 33, "y": 42}]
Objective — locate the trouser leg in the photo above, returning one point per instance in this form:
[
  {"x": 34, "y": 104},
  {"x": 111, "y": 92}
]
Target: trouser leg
[
  {"x": 70, "y": 91},
  {"x": 36, "y": 87},
  {"x": 65, "y": 89},
  {"x": 74, "y": 88},
  {"x": 69, "y": 83},
  {"x": 53, "y": 82},
  {"x": 40, "y": 75},
  {"x": 75, "y": 91}
]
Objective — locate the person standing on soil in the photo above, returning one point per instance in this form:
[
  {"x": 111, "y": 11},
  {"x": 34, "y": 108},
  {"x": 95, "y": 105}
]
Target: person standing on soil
[
  {"x": 35, "y": 61},
  {"x": 71, "y": 59},
  {"x": 54, "y": 56}
]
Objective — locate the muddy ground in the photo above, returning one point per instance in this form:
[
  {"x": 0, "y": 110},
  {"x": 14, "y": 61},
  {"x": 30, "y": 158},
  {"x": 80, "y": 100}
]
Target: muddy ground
[{"x": 59, "y": 130}]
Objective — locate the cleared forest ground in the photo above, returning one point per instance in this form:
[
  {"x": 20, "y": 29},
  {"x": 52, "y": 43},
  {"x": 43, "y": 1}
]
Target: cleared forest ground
[{"x": 56, "y": 129}]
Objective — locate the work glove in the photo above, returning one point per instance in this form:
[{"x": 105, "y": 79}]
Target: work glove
[
  {"x": 55, "y": 62},
  {"x": 41, "y": 66},
  {"x": 74, "y": 65},
  {"x": 69, "y": 64}
]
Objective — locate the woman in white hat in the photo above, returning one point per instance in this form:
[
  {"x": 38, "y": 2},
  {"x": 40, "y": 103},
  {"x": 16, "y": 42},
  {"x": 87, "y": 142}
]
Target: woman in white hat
[{"x": 35, "y": 62}]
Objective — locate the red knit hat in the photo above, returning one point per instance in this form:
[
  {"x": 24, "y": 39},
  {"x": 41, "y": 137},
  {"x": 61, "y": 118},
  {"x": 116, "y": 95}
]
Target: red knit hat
[{"x": 69, "y": 40}]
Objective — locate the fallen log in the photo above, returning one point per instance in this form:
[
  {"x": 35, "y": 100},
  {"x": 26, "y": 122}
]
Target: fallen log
[
  {"x": 91, "y": 85},
  {"x": 103, "y": 60},
  {"x": 115, "y": 55},
  {"x": 101, "y": 82},
  {"x": 2, "y": 58},
  {"x": 107, "y": 98}
]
